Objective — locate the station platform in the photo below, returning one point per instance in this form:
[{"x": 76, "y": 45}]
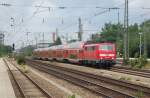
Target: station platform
[{"x": 6, "y": 89}]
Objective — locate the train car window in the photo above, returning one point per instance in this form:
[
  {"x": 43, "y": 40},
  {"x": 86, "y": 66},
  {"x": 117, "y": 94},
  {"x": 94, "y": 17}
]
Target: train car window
[
  {"x": 85, "y": 48},
  {"x": 88, "y": 48},
  {"x": 65, "y": 51},
  {"x": 93, "y": 48},
  {"x": 80, "y": 51}
]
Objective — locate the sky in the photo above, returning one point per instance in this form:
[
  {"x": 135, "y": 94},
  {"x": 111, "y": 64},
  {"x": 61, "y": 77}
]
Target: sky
[{"x": 28, "y": 17}]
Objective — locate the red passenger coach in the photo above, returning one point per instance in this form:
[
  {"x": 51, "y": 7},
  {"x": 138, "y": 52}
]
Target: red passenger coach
[
  {"x": 74, "y": 52},
  {"x": 59, "y": 52},
  {"x": 100, "y": 54},
  {"x": 41, "y": 53}
]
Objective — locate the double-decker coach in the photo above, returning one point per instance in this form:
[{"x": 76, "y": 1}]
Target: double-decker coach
[
  {"x": 99, "y": 54},
  {"x": 74, "y": 52}
]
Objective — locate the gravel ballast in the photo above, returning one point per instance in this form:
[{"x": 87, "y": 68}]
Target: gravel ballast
[
  {"x": 59, "y": 88},
  {"x": 115, "y": 75}
]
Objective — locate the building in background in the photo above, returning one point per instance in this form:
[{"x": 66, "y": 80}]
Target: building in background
[
  {"x": 95, "y": 36},
  {"x": 2, "y": 38},
  {"x": 44, "y": 45}
]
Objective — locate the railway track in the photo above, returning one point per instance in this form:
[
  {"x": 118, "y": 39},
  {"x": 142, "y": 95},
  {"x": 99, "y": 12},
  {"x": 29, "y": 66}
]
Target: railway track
[
  {"x": 28, "y": 88},
  {"x": 107, "y": 87},
  {"x": 131, "y": 71},
  {"x": 136, "y": 72}
]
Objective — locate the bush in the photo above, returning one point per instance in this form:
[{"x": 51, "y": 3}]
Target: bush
[
  {"x": 126, "y": 62},
  {"x": 138, "y": 62},
  {"x": 141, "y": 62},
  {"x": 133, "y": 62},
  {"x": 20, "y": 59}
]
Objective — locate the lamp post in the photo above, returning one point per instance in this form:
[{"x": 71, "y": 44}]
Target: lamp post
[
  {"x": 27, "y": 33},
  {"x": 140, "y": 44}
]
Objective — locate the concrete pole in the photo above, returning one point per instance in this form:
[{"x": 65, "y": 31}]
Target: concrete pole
[
  {"x": 80, "y": 30},
  {"x": 126, "y": 34},
  {"x": 145, "y": 39}
]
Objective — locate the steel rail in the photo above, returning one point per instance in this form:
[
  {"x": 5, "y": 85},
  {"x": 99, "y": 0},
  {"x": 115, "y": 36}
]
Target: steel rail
[
  {"x": 102, "y": 79},
  {"x": 22, "y": 92},
  {"x": 131, "y": 71},
  {"x": 16, "y": 82},
  {"x": 84, "y": 83}
]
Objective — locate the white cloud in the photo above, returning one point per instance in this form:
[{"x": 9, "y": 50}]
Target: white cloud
[{"x": 140, "y": 3}]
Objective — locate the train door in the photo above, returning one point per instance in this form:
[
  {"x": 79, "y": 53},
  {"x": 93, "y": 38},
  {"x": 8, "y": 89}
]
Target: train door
[
  {"x": 80, "y": 54},
  {"x": 85, "y": 53},
  {"x": 65, "y": 54}
]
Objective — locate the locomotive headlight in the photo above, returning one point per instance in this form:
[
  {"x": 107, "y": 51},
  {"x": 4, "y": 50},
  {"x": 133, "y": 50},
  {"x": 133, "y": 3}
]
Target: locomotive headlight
[
  {"x": 111, "y": 55},
  {"x": 102, "y": 54},
  {"x": 106, "y": 55}
]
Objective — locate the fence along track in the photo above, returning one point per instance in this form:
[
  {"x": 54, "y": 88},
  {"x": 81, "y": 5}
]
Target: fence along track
[
  {"x": 91, "y": 80},
  {"x": 27, "y": 87}
]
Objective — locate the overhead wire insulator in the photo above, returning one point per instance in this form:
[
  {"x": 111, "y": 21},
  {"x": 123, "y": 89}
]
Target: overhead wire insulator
[
  {"x": 5, "y": 4},
  {"x": 49, "y": 9},
  {"x": 22, "y": 20},
  {"x": 62, "y": 7},
  {"x": 43, "y": 20}
]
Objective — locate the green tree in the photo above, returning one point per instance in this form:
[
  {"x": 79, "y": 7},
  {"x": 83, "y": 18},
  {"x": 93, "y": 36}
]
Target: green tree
[
  {"x": 58, "y": 41},
  {"x": 71, "y": 41},
  {"x": 145, "y": 26},
  {"x": 134, "y": 39},
  {"x": 27, "y": 51},
  {"x": 114, "y": 33},
  {"x": 5, "y": 50},
  {"x": 111, "y": 32}
]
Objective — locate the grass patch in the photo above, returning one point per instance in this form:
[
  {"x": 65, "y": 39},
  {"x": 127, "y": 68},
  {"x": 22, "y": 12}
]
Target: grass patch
[
  {"x": 125, "y": 78},
  {"x": 21, "y": 62},
  {"x": 138, "y": 63},
  {"x": 24, "y": 68},
  {"x": 72, "y": 96},
  {"x": 122, "y": 78},
  {"x": 147, "y": 66},
  {"x": 139, "y": 94}
]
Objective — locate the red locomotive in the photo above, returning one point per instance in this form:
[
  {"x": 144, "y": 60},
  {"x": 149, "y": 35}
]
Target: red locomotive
[{"x": 99, "y": 54}]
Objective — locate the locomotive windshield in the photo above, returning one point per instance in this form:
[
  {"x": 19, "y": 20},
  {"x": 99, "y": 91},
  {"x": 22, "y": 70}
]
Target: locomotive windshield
[{"x": 106, "y": 47}]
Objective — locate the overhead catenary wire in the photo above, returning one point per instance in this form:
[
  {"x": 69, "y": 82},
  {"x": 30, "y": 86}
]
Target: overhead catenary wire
[
  {"x": 31, "y": 17},
  {"x": 63, "y": 8},
  {"x": 105, "y": 10},
  {"x": 35, "y": 12},
  {"x": 59, "y": 7}
]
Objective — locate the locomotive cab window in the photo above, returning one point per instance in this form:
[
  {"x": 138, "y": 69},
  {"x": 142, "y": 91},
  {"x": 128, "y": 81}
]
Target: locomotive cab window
[{"x": 106, "y": 47}]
